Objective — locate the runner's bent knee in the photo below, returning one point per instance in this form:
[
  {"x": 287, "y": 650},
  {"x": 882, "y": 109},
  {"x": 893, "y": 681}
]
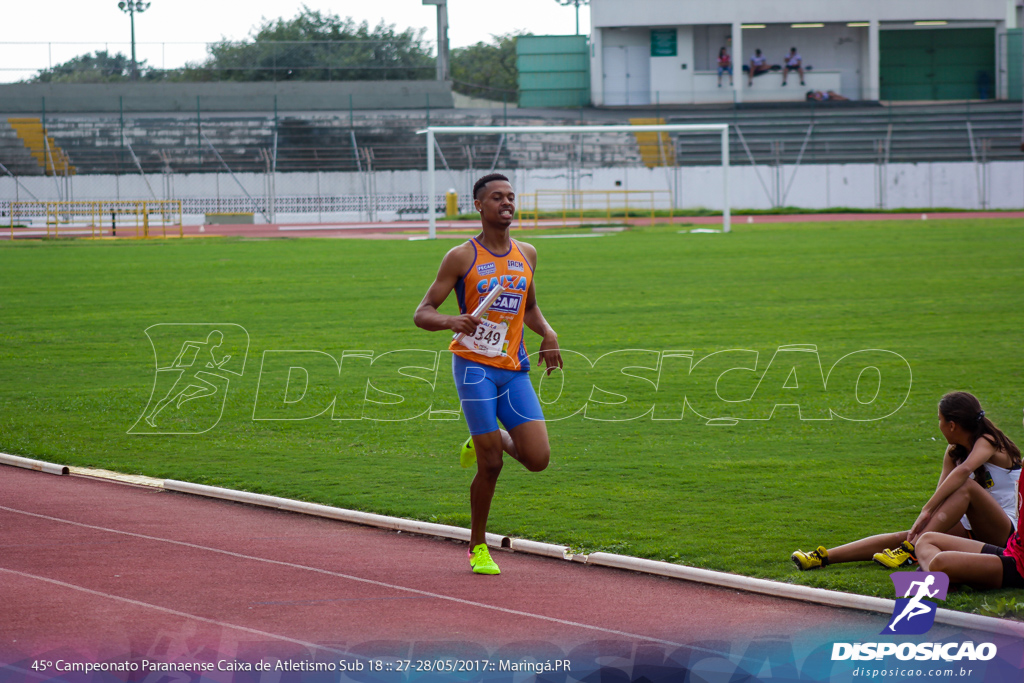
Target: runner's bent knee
[
  {"x": 532, "y": 448},
  {"x": 534, "y": 458}
]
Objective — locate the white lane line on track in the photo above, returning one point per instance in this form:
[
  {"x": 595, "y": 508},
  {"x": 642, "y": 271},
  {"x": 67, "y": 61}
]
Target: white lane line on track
[
  {"x": 327, "y": 572},
  {"x": 168, "y": 610}
]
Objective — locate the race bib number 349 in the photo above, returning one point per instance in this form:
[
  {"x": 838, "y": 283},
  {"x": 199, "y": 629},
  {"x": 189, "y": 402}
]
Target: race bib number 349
[{"x": 488, "y": 339}]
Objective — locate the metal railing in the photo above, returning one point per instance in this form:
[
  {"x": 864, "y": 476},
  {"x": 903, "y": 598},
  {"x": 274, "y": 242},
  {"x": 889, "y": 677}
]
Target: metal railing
[
  {"x": 580, "y": 204},
  {"x": 142, "y": 216}
]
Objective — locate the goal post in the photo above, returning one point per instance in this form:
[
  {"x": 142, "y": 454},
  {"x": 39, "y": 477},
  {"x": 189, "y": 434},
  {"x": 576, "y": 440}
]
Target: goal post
[{"x": 431, "y": 133}]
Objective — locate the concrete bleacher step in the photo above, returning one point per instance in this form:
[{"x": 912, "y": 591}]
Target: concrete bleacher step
[
  {"x": 855, "y": 135},
  {"x": 303, "y": 144},
  {"x": 656, "y": 149},
  {"x": 14, "y": 155},
  {"x": 563, "y": 150},
  {"x": 41, "y": 146},
  {"x": 389, "y": 141}
]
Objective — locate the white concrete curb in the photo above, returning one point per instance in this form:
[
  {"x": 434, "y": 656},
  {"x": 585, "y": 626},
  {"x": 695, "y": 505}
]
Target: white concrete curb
[
  {"x": 560, "y": 552},
  {"x": 29, "y": 464},
  {"x": 340, "y": 514},
  {"x": 803, "y": 593},
  {"x": 668, "y": 569}
]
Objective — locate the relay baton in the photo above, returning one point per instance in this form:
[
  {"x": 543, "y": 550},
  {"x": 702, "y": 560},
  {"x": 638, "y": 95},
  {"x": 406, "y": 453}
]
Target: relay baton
[{"x": 484, "y": 305}]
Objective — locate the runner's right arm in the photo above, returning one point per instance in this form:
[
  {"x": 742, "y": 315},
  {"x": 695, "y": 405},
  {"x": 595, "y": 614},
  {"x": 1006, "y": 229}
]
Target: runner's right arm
[
  {"x": 427, "y": 316},
  {"x": 952, "y": 480}
]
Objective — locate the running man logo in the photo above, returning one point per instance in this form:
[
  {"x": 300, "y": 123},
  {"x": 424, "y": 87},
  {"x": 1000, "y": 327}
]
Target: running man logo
[
  {"x": 913, "y": 615},
  {"x": 193, "y": 365}
]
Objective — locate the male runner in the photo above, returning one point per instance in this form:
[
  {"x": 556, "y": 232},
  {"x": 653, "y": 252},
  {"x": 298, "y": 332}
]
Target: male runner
[{"x": 493, "y": 384}]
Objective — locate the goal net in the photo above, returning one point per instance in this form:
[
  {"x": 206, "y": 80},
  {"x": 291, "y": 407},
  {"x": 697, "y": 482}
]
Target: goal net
[{"x": 580, "y": 172}]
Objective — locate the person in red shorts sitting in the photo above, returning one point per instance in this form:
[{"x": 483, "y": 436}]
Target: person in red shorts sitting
[
  {"x": 976, "y": 496},
  {"x": 977, "y": 564}
]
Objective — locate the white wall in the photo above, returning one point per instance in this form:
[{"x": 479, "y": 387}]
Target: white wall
[
  {"x": 834, "y": 47},
  {"x": 678, "y": 12},
  {"x": 672, "y": 77},
  {"x": 707, "y": 40},
  {"x": 596, "y": 67},
  {"x": 213, "y": 185},
  {"x": 627, "y": 37},
  {"x": 625, "y": 66},
  {"x": 819, "y": 186},
  {"x": 835, "y": 51}
]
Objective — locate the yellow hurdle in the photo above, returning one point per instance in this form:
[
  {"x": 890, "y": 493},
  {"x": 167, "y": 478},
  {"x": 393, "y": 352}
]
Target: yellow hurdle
[{"x": 91, "y": 214}]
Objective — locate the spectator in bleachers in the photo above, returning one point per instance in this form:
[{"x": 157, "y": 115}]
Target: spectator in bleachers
[
  {"x": 793, "y": 63},
  {"x": 724, "y": 64},
  {"x": 758, "y": 65}
]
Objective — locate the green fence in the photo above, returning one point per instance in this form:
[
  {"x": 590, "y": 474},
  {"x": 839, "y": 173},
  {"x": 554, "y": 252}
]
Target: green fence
[
  {"x": 938, "y": 64},
  {"x": 554, "y": 71},
  {"x": 1014, "y": 64}
]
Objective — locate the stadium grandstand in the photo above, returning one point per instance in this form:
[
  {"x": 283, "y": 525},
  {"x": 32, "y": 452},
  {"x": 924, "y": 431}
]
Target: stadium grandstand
[{"x": 387, "y": 141}]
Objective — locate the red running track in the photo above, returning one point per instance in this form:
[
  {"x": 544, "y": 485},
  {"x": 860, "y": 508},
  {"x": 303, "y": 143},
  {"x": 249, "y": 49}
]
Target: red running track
[{"x": 93, "y": 570}]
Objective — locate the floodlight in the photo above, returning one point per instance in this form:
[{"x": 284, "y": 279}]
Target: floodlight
[{"x": 130, "y": 7}]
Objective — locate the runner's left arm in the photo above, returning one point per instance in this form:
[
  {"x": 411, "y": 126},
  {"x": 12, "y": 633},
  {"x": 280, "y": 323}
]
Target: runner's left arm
[{"x": 534, "y": 319}]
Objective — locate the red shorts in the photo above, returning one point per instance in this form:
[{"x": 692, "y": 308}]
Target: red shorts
[{"x": 1011, "y": 577}]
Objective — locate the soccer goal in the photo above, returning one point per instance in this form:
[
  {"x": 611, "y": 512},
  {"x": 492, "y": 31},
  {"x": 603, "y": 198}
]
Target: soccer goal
[{"x": 582, "y": 150}]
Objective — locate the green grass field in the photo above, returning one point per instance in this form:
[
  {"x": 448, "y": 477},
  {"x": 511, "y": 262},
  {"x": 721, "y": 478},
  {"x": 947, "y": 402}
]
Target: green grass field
[{"x": 76, "y": 371}]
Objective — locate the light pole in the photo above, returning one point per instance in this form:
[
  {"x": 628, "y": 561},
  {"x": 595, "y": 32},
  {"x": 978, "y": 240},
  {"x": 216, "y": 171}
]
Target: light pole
[
  {"x": 442, "y": 38},
  {"x": 130, "y": 7},
  {"x": 577, "y": 3}
]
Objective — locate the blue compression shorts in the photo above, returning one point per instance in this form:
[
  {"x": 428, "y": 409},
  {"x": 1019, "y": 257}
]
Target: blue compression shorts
[{"x": 489, "y": 394}]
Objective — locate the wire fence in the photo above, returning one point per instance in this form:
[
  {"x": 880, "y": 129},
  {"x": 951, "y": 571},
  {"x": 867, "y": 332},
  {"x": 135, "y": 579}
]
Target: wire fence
[{"x": 266, "y": 60}]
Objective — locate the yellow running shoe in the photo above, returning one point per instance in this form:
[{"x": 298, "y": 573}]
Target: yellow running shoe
[
  {"x": 481, "y": 562},
  {"x": 902, "y": 556},
  {"x": 467, "y": 456},
  {"x": 812, "y": 560}
]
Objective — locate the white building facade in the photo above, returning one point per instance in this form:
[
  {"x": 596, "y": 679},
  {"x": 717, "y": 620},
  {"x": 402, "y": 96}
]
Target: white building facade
[{"x": 649, "y": 52}]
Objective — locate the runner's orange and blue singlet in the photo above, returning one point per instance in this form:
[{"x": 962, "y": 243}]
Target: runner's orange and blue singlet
[{"x": 515, "y": 274}]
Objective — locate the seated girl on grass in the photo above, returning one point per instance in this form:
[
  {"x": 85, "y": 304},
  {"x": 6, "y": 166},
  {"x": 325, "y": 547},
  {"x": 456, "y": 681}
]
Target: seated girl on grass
[
  {"x": 976, "y": 497},
  {"x": 977, "y": 564}
]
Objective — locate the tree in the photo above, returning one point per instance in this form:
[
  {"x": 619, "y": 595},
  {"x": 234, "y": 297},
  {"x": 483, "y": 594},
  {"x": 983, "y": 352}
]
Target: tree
[
  {"x": 98, "y": 67},
  {"x": 316, "y": 46},
  {"x": 487, "y": 70},
  {"x": 577, "y": 3},
  {"x": 312, "y": 46}
]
